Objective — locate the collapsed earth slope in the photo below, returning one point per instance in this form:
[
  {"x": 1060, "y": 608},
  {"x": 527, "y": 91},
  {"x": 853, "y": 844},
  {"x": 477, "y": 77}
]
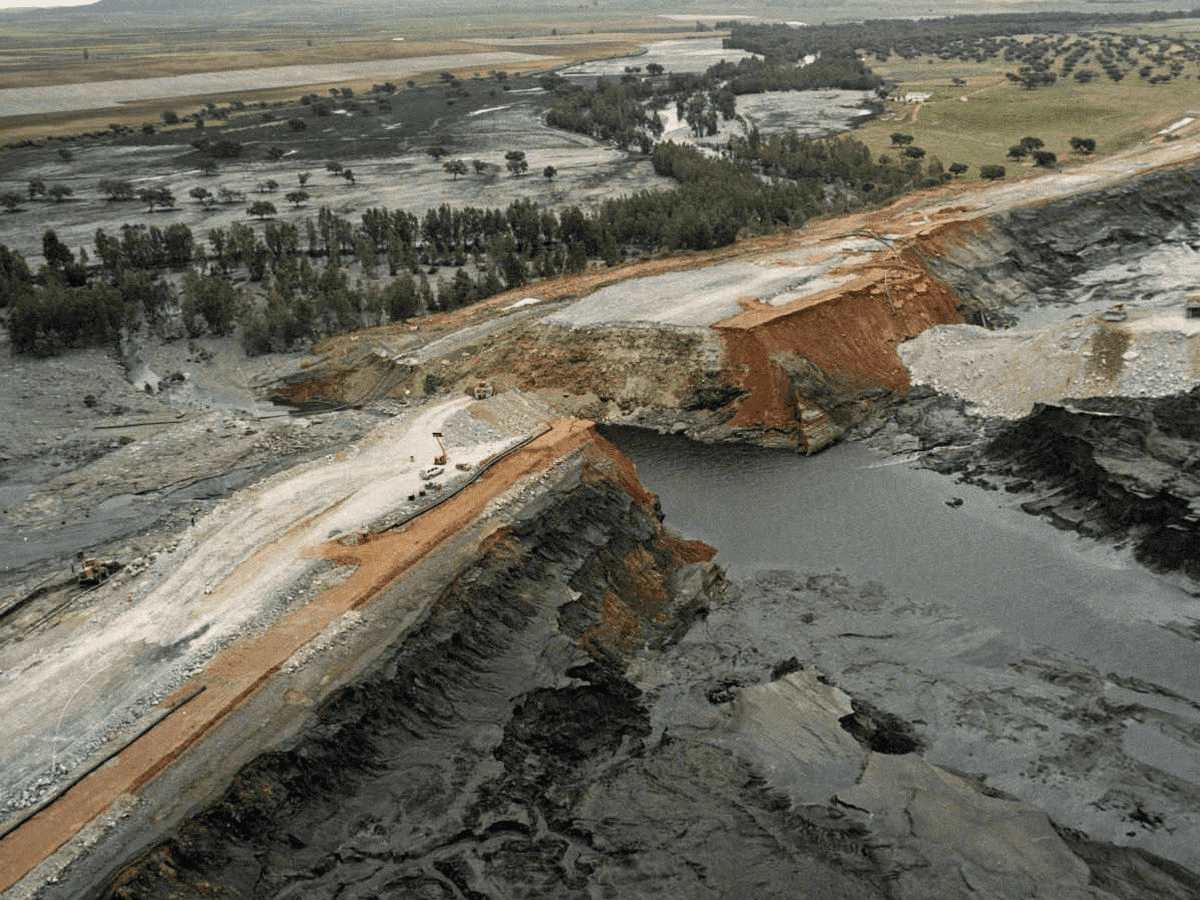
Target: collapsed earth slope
[{"x": 786, "y": 340}]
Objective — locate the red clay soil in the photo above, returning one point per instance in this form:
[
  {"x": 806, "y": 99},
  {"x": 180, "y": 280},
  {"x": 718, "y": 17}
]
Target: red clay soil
[
  {"x": 238, "y": 671},
  {"x": 849, "y": 333}
]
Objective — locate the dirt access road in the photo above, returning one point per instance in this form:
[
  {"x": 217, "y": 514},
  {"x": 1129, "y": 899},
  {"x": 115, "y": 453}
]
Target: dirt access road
[{"x": 221, "y": 614}]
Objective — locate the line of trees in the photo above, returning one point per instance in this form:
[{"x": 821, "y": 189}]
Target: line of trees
[{"x": 301, "y": 286}]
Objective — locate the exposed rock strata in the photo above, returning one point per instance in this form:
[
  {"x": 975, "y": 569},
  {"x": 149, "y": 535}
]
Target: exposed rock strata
[
  {"x": 1036, "y": 249},
  {"x": 1113, "y": 468}
]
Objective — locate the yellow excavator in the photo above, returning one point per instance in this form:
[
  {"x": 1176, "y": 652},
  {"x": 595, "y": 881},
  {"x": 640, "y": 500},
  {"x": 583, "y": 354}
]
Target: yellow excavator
[{"x": 440, "y": 459}]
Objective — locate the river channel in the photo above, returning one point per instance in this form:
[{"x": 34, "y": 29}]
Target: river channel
[{"x": 986, "y": 619}]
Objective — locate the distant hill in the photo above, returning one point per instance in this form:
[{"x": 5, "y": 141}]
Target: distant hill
[{"x": 193, "y": 7}]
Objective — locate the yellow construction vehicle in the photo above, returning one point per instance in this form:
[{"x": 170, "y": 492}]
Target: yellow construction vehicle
[
  {"x": 440, "y": 459},
  {"x": 93, "y": 571}
]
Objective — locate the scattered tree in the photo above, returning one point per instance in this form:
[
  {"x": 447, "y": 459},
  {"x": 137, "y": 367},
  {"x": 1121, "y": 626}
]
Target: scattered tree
[
  {"x": 37, "y": 188},
  {"x": 303, "y": 178},
  {"x": 1083, "y": 145},
  {"x": 549, "y": 172},
  {"x": 1044, "y": 158},
  {"x": 11, "y": 201},
  {"x": 914, "y": 152},
  {"x": 203, "y": 195},
  {"x": 455, "y": 167},
  {"x": 1032, "y": 143},
  {"x": 208, "y": 167},
  {"x": 170, "y": 117},
  {"x": 296, "y": 198},
  {"x": 958, "y": 168},
  {"x": 348, "y": 175},
  {"x": 901, "y": 140},
  {"x": 153, "y": 197},
  {"x": 517, "y": 165},
  {"x": 297, "y": 124},
  {"x": 991, "y": 173},
  {"x": 1018, "y": 151},
  {"x": 116, "y": 189},
  {"x": 261, "y": 208},
  {"x": 274, "y": 153},
  {"x": 60, "y": 192}
]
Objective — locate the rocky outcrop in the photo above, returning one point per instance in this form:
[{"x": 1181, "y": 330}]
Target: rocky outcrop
[
  {"x": 1111, "y": 467},
  {"x": 1037, "y": 248}
]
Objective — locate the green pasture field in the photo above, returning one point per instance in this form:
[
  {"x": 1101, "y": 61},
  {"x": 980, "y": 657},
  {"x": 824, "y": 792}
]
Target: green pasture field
[
  {"x": 998, "y": 113},
  {"x": 1178, "y": 28}
]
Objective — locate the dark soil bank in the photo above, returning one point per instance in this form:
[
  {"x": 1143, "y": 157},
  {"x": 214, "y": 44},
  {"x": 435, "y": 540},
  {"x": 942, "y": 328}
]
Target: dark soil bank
[
  {"x": 1110, "y": 467},
  {"x": 585, "y": 712}
]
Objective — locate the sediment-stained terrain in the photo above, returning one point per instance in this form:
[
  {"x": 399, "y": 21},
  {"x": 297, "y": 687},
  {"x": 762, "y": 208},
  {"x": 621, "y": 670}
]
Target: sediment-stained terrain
[
  {"x": 533, "y": 687},
  {"x": 740, "y": 344}
]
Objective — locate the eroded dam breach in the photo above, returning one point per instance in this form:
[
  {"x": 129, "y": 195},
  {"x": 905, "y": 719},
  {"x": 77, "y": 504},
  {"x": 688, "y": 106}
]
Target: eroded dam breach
[
  {"x": 790, "y": 341},
  {"x": 569, "y": 716},
  {"x": 540, "y": 691}
]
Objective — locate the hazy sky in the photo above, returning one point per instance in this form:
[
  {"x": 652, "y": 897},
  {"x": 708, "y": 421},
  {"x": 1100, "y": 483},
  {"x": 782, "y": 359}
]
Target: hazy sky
[{"x": 13, "y": 4}]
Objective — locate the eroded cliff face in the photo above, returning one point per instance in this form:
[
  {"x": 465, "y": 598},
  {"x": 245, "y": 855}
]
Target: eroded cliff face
[
  {"x": 1038, "y": 248},
  {"x": 452, "y": 751},
  {"x": 835, "y": 353}
]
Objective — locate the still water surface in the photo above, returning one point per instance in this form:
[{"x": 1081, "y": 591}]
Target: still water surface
[{"x": 877, "y": 519}]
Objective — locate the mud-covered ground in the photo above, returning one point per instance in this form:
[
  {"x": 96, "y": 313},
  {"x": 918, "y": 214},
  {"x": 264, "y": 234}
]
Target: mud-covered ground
[
  {"x": 537, "y": 738},
  {"x": 526, "y": 743},
  {"x": 382, "y": 139}
]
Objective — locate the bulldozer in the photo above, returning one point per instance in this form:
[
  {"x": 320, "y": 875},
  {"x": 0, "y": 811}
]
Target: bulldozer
[{"x": 93, "y": 571}]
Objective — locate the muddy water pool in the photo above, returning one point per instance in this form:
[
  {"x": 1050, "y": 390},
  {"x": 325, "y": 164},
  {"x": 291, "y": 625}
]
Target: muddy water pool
[
  {"x": 1038, "y": 660},
  {"x": 881, "y": 520}
]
